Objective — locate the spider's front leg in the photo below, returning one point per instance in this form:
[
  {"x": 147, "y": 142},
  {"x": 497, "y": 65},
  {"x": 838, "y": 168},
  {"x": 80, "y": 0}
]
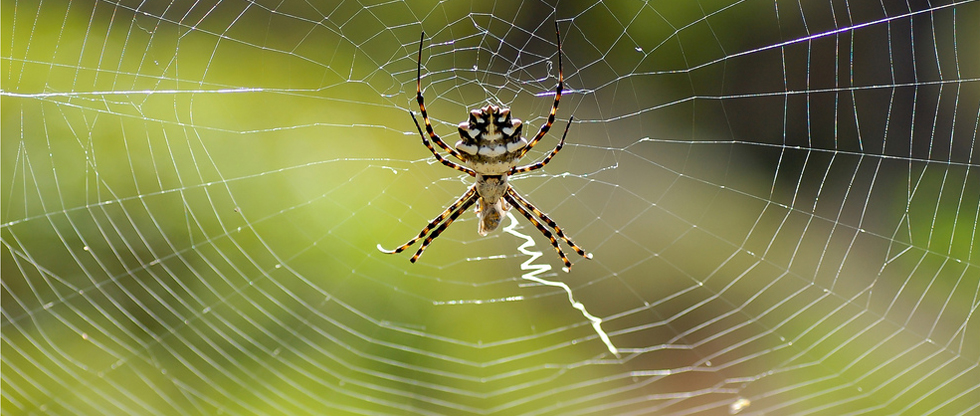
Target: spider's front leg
[
  {"x": 517, "y": 199},
  {"x": 462, "y": 208},
  {"x": 551, "y": 238},
  {"x": 455, "y": 209}
]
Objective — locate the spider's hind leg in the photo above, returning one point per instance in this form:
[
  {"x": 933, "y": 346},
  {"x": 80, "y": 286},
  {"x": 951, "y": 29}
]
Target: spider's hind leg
[
  {"x": 554, "y": 107},
  {"x": 425, "y": 115},
  {"x": 541, "y": 164},
  {"x": 439, "y": 157}
]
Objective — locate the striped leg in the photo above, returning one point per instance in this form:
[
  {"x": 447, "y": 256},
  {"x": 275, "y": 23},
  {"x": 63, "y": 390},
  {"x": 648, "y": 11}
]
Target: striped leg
[
  {"x": 539, "y": 165},
  {"x": 509, "y": 197},
  {"x": 554, "y": 108},
  {"x": 467, "y": 198},
  {"x": 439, "y": 157},
  {"x": 425, "y": 116},
  {"x": 462, "y": 208},
  {"x": 551, "y": 223}
]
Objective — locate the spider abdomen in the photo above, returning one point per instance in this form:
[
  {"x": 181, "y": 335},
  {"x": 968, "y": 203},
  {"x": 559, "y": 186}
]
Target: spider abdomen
[{"x": 491, "y": 140}]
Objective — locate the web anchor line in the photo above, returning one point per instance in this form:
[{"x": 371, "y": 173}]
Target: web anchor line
[{"x": 539, "y": 268}]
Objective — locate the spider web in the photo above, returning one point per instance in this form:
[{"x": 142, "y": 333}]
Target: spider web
[{"x": 781, "y": 197}]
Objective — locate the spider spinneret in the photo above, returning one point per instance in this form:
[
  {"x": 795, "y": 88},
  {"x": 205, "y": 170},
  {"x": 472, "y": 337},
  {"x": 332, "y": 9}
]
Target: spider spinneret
[{"x": 490, "y": 148}]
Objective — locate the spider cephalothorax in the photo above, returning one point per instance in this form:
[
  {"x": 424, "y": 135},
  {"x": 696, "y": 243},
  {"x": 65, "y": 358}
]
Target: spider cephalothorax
[
  {"x": 490, "y": 148},
  {"x": 492, "y": 189}
]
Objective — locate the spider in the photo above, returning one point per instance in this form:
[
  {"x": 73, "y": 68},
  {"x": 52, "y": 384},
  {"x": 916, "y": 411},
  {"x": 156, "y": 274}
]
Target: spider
[{"x": 490, "y": 148}]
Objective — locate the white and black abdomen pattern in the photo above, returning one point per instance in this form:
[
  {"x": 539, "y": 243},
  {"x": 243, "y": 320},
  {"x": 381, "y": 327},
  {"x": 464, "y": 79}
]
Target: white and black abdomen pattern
[{"x": 491, "y": 140}]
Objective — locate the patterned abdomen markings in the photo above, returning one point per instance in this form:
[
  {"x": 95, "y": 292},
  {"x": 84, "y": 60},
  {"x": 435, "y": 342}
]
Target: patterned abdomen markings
[{"x": 491, "y": 140}]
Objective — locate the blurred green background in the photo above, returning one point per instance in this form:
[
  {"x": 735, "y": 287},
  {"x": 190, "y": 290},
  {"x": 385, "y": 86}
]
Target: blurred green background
[{"x": 782, "y": 200}]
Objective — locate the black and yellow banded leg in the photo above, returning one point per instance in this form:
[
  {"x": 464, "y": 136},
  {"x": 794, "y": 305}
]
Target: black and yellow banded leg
[
  {"x": 541, "y": 164},
  {"x": 462, "y": 208},
  {"x": 554, "y": 108},
  {"x": 510, "y": 198},
  {"x": 425, "y": 116},
  {"x": 439, "y": 157},
  {"x": 551, "y": 223},
  {"x": 467, "y": 197}
]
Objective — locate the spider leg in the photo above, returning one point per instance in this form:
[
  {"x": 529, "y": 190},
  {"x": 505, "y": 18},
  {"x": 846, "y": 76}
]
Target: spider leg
[
  {"x": 554, "y": 108},
  {"x": 425, "y": 116},
  {"x": 439, "y": 157},
  {"x": 462, "y": 208},
  {"x": 467, "y": 197},
  {"x": 539, "y": 165},
  {"x": 513, "y": 202},
  {"x": 514, "y": 196}
]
